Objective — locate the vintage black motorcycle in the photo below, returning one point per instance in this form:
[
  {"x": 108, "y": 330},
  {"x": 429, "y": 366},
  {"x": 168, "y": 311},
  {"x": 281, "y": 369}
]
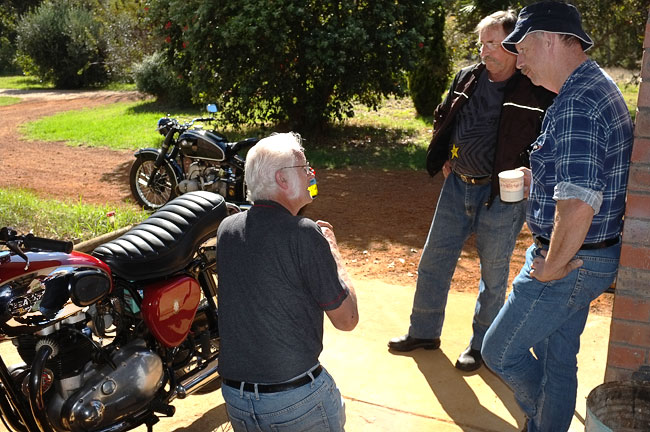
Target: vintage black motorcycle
[
  {"x": 190, "y": 159},
  {"x": 109, "y": 339}
]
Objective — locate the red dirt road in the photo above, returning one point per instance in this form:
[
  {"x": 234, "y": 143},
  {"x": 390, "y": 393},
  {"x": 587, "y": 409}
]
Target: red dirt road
[{"x": 380, "y": 218}]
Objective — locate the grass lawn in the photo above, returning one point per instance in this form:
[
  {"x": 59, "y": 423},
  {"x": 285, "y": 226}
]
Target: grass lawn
[
  {"x": 8, "y": 100},
  {"x": 24, "y": 211},
  {"x": 20, "y": 82},
  {"x": 392, "y": 137}
]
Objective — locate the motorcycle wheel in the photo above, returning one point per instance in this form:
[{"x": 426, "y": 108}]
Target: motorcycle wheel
[{"x": 162, "y": 189}]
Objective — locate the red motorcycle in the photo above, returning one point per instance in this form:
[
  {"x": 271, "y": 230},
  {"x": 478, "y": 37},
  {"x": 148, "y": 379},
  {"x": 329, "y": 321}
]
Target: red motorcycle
[{"x": 109, "y": 339}]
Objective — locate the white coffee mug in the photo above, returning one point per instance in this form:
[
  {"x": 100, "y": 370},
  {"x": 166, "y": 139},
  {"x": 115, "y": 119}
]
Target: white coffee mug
[{"x": 511, "y": 185}]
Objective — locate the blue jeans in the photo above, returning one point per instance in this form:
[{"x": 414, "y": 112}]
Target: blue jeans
[
  {"x": 316, "y": 406},
  {"x": 548, "y": 317},
  {"x": 462, "y": 210}
]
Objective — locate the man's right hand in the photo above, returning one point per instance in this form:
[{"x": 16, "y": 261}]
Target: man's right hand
[
  {"x": 528, "y": 179},
  {"x": 446, "y": 169}
]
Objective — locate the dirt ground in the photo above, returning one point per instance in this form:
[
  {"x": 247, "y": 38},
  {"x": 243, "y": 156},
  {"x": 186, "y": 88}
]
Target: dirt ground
[{"x": 381, "y": 218}]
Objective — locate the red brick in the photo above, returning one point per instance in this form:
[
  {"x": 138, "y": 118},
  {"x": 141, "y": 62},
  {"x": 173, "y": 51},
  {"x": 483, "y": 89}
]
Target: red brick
[
  {"x": 631, "y": 308},
  {"x": 636, "y": 231},
  {"x": 637, "y": 206},
  {"x": 625, "y": 357},
  {"x": 639, "y": 178},
  {"x": 633, "y": 283},
  {"x": 641, "y": 150},
  {"x": 636, "y": 257},
  {"x": 643, "y": 98},
  {"x": 642, "y": 126},
  {"x": 617, "y": 374},
  {"x": 630, "y": 333}
]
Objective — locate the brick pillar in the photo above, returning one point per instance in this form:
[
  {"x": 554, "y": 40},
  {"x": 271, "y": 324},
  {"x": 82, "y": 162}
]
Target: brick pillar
[{"x": 629, "y": 340}]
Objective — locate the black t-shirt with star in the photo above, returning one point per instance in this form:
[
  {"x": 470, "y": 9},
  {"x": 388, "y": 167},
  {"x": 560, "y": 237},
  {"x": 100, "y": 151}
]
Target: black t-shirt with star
[{"x": 475, "y": 130}]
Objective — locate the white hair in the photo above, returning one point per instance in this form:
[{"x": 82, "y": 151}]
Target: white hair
[{"x": 265, "y": 158}]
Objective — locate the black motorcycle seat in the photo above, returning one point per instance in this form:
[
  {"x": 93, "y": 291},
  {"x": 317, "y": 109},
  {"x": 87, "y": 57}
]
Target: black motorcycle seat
[
  {"x": 165, "y": 242},
  {"x": 234, "y": 148}
]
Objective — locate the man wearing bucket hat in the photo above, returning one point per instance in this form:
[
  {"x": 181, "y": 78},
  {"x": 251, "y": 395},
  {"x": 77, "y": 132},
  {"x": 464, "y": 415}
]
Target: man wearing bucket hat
[{"x": 579, "y": 170}]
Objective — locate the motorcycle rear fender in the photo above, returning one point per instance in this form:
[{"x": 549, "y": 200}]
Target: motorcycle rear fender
[{"x": 168, "y": 160}]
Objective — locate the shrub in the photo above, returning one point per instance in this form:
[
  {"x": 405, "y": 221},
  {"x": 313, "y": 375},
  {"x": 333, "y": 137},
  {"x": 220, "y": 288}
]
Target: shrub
[
  {"x": 63, "y": 42},
  {"x": 154, "y": 76},
  {"x": 291, "y": 60},
  {"x": 428, "y": 81}
]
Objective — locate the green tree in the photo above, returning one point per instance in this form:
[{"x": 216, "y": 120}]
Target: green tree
[
  {"x": 62, "y": 43},
  {"x": 303, "y": 62},
  {"x": 97, "y": 40},
  {"x": 10, "y": 12},
  {"x": 128, "y": 40},
  {"x": 617, "y": 27},
  {"x": 429, "y": 79}
]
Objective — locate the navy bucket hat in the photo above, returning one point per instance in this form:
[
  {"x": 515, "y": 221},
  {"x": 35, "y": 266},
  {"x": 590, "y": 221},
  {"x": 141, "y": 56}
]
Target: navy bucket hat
[{"x": 551, "y": 17}]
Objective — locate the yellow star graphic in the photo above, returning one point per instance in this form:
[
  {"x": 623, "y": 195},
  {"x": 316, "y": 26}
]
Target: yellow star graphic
[{"x": 454, "y": 151}]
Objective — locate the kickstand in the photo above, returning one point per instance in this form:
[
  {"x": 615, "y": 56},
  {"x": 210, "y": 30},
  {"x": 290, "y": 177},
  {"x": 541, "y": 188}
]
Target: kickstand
[{"x": 150, "y": 422}]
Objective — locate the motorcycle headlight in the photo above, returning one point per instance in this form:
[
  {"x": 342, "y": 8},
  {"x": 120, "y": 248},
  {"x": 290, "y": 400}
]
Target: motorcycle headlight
[
  {"x": 163, "y": 125},
  {"x": 88, "y": 286}
]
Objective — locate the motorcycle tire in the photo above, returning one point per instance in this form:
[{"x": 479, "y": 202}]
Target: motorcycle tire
[{"x": 163, "y": 188}]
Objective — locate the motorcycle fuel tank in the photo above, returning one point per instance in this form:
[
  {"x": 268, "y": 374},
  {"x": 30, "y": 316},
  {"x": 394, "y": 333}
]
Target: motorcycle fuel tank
[
  {"x": 199, "y": 143},
  {"x": 168, "y": 308}
]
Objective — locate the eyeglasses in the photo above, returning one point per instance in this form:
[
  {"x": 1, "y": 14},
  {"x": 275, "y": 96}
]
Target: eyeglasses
[
  {"x": 490, "y": 45},
  {"x": 306, "y": 168}
]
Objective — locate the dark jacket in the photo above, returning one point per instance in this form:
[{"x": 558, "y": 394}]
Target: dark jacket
[{"x": 522, "y": 112}]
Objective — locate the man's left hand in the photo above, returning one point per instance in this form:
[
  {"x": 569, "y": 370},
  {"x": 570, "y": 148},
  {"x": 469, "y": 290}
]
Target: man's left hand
[{"x": 539, "y": 270}]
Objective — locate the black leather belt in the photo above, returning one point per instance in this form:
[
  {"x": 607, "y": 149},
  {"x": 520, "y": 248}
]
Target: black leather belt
[
  {"x": 541, "y": 241},
  {"x": 274, "y": 388},
  {"x": 474, "y": 180}
]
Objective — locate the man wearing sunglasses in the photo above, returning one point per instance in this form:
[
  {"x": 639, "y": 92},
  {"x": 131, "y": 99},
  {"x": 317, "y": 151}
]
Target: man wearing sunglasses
[{"x": 279, "y": 273}]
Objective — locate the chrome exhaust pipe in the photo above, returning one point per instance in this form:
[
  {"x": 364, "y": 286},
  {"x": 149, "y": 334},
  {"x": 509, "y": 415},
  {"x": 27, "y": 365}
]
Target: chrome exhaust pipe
[{"x": 196, "y": 379}]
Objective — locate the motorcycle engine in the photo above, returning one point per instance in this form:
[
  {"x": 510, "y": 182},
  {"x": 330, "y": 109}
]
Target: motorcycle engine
[
  {"x": 108, "y": 394},
  {"x": 203, "y": 176},
  {"x": 85, "y": 387}
]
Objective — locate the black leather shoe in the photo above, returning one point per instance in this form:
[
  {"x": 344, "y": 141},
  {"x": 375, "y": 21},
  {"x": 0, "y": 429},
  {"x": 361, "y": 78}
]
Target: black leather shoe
[
  {"x": 407, "y": 343},
  {"x": 469, "y": 360}
]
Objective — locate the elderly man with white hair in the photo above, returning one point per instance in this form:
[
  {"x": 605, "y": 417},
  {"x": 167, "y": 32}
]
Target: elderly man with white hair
[{"x": 279, "y": 273}]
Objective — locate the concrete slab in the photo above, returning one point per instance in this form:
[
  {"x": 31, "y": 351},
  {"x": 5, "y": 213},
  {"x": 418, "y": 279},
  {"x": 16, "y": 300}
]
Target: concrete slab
[{"x": 419, "y": 391}]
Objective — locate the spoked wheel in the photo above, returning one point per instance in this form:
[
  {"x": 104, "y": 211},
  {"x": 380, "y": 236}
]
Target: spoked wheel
[{"x": 161, "y": 190}]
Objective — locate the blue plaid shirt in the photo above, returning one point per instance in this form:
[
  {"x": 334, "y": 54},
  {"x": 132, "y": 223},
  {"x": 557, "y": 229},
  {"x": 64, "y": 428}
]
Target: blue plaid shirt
[{"x": 583, "y": 152}]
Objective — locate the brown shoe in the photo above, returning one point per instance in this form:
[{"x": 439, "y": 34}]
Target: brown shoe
[
  {"x": 407, "y": 343},
  {"x": 469, "y": 360}
]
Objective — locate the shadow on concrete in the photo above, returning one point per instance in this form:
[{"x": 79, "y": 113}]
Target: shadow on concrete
[
  {"x": 215, "y": 419},
  {"x": 458, "y": 399}
]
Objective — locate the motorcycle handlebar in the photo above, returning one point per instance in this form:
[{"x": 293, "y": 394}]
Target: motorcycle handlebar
[{"x": 32, "y": 242}]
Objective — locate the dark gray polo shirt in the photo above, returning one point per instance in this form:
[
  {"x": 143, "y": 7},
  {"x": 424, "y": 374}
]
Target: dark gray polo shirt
[{"x": 276, "y": 277}]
